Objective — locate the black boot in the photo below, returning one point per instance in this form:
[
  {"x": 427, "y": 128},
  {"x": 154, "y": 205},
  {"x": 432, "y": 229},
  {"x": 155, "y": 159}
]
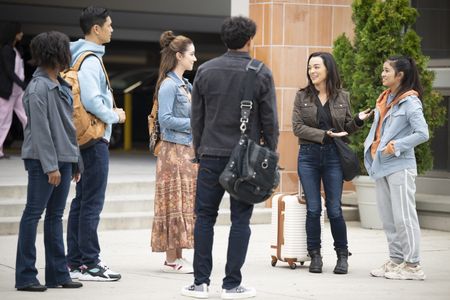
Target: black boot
[
  {"x": 341, "y": 264},
  {"x": 316, "y": 261}
]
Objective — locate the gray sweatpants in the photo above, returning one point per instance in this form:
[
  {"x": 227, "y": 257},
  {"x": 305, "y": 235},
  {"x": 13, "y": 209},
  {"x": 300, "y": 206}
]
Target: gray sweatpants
[{"x": 397, "y": 208}]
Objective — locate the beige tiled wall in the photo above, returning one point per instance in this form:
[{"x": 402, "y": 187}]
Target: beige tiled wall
[{"x": 288, "y": 31}]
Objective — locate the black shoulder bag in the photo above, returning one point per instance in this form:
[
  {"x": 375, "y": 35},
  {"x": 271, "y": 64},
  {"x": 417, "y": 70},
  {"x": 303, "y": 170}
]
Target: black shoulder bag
[
  {"x": 251, "y": 174},
  {"x": 349, "y": 159}
]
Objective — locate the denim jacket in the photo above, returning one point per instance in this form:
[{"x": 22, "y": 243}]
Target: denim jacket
[
  {"x": 404, "y": 123},
  {"x": 174, "y": 110},
  {"x": 50, "y": 134}
]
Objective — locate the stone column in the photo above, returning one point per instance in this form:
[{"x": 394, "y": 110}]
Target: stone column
[{"x": 288, "y": 32}]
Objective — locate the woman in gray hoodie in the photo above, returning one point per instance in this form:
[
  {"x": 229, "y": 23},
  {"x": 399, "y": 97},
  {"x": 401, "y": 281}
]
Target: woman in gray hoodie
[{"x": 399, "y": 126}]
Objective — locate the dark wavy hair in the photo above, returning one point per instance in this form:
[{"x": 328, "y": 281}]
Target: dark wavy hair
[
  {"x": 170, "y": 45},
  {"x": 411, "y": 79},
  {"x": 51, "y": 50},
  {"x": 333, "y": 81},
  {"x": 236, "y": 31},
  {"x": 91, "y": 16},
  {"x": 8, "y": 32}
]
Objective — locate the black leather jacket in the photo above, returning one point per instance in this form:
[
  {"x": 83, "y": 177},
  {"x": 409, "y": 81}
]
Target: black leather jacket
[
  {"x": 216, "y": 97},
  {"x": 305, "y": 122}
]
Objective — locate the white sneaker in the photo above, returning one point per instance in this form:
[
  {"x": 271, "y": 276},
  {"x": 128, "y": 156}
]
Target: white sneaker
[
  {"x": 75, "y": 273},
  {"x": 406, "y": 272},
  {"x": 388, "y": 266},
  {"x": 178, "y": 266},
  {"x": 239, "y": 292},
  {"x": 195, "y": 291}
]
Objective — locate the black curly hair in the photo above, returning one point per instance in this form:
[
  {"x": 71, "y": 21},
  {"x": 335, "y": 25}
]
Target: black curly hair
[
  {"x": 236, "y": 31},
  {"x": 91, "y": 16},
  {"x": 51, "y": 50}
]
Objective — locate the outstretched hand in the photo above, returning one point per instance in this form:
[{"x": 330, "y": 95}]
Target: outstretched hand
[
  {"x": 336, "y": 134},
  {"x": 365, "y": 114}
]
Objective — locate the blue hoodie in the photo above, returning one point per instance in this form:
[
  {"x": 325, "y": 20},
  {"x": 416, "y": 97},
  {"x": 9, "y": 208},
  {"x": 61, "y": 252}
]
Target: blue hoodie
[{"x": 95, "y": 94}]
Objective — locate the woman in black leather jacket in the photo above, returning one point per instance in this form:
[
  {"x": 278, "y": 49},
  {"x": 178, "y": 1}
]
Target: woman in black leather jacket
[{"x": 321, "y": 113}]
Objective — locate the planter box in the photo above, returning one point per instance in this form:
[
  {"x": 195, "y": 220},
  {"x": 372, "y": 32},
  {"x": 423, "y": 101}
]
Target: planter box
[{"x": 367, "y": 205}]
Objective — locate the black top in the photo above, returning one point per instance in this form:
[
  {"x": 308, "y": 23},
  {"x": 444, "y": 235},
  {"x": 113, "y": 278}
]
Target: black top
[{"x": 324, "y": 119}]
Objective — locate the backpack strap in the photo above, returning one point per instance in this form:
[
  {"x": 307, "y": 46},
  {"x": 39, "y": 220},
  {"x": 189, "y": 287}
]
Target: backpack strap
[{"x": 79, "y": 62}]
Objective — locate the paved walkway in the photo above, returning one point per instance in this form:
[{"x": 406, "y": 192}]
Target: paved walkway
[{"x": 129, "y": 253}]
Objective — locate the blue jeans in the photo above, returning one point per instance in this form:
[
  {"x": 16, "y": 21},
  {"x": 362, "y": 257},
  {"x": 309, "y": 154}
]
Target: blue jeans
[
  {"x": 83, "y": 247},
  {"x": 208, "y": 198},
  {"x": 318, "y": 163},
  {"x": 43, "y": 196}
]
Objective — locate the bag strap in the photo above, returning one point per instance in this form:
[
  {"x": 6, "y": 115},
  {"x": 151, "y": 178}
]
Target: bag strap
[
  {"x": 253, "y": 67},
  {"x": 79, "y": 62}
]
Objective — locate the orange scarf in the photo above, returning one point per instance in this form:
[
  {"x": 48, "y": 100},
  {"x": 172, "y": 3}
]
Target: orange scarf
[{"x": 383, "y": 108}]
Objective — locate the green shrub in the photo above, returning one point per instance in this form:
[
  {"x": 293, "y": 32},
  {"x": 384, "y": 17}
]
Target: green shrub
[{"x": 382, "y": 29}]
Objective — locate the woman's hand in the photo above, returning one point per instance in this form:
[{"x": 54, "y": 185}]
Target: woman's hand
[
  {"x": 336, "y": 134},
  {"x": 76, "y": 177},
  {"x": 390, "y": 148},
  {"x": 54, "y": 178},
  {"x": 365, "y": 114}
]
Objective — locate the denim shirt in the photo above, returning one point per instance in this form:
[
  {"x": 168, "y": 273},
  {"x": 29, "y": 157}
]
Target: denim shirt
[
  {"x": 404, "y": 123},
  {"x": 174, "y": 110}
]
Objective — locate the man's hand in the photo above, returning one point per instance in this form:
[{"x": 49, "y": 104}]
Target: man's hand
[
  {"x": 54, "y": 178},
  {"x": 121, "y": 113}
]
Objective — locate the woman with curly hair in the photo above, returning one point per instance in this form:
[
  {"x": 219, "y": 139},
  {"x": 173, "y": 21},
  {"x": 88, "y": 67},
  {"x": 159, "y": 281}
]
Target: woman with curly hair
[
  {"x": 51, "y": 155},
  {"x": 173, "y": 224}
]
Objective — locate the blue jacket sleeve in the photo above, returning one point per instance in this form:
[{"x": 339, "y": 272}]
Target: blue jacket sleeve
[
  {"x": 41, "y": 136},
  {"x": 91, "y": 79},
  {"x": 419, "y": 128},
  {"x": 166, "y": 98}
]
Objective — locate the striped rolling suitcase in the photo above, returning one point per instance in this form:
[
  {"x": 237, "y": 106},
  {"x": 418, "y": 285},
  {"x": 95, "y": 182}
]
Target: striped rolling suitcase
[{"x": 289, "y": 229}]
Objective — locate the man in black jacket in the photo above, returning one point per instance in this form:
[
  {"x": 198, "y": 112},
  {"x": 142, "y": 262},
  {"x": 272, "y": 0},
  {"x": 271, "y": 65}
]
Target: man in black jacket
[{"x": 215, "y": 120}]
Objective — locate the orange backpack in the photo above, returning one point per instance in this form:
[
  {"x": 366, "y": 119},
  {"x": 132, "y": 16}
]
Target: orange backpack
[{"x": 89, "y": 128}]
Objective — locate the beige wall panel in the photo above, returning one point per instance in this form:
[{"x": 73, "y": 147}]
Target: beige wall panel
[
  {"x": 256, "y": 14},
  {"x": 277, "y": 24},
  {"x": 288, "y": 64},
  {"x": 335, "y": 2},
  {"x": 289, "y": 182},
  {"x": 342, "y": 22},
  {"x": 307, "y": 25},
  {"x": 288, "y": 147},
  {"x": 288, "y": 107}
]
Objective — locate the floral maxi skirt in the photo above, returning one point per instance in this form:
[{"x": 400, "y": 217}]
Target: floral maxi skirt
[{"x": 176, "y": 181}]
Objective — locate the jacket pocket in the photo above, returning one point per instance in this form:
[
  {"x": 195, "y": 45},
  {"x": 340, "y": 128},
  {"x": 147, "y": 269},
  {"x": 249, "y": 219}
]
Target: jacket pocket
[{"x": 307, "y": 113}]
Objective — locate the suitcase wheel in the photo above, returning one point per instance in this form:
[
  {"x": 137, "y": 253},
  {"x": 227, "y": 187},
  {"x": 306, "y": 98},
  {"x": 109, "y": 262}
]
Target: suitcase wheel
[
  {"x": 293, "y": 266},
  {"x": 302, "y": 263},
  {"x": 274, "y": 261}
]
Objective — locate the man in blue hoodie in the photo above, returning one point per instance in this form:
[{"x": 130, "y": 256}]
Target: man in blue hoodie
[{"x": 83, "y": 247}]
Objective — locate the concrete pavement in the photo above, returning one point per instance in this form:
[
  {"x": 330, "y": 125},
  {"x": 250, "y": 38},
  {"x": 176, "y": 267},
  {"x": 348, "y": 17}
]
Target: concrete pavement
[{"x": 128, "y": 252}]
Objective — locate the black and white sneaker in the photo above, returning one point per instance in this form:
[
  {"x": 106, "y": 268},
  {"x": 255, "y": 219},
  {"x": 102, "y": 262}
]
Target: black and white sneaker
[{"x": 99, "y": 272}]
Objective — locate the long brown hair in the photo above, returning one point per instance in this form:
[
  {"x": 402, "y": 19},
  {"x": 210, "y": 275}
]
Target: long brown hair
[{"x": 170, "y": 46}]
